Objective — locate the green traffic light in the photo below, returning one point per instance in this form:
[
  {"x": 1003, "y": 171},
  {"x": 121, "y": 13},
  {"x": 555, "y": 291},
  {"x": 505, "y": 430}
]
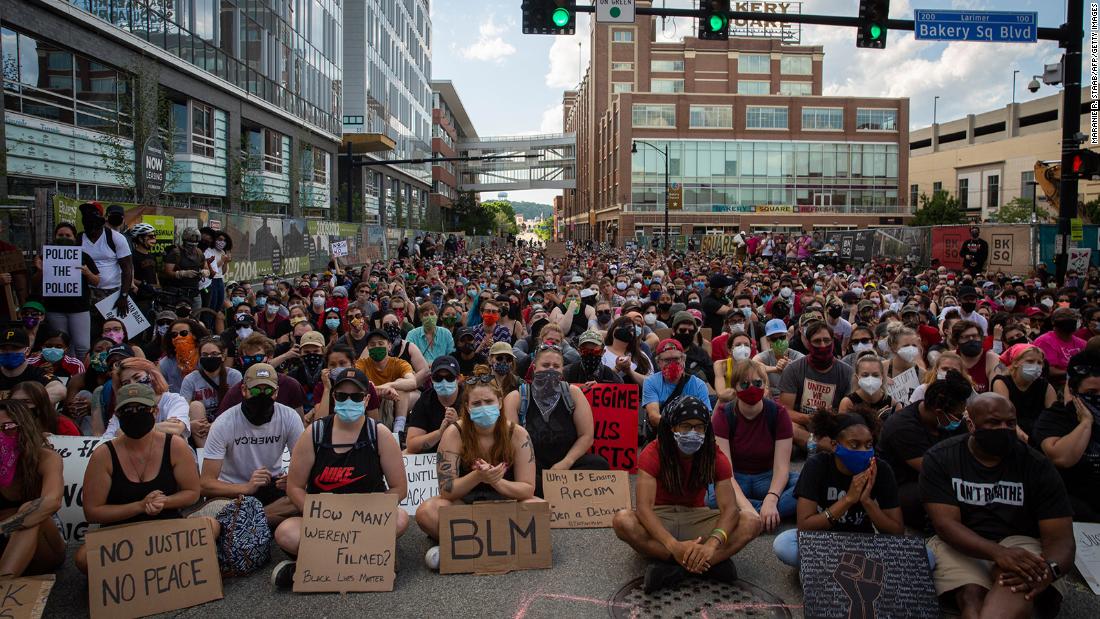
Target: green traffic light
[
  {"x": 876, "y": 32},
  {"x": 717, "y": 22},
  {"x": 561, "y": 17}
]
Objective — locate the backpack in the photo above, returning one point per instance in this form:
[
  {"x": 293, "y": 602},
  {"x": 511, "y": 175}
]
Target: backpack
[
  {"x": 771, "y": 418},
  {"x": 525, "y": 399},
  {"x": 319, "y": 435},
  {"x": 107, "y": 232},
  {"x": 245, "y": 542}
]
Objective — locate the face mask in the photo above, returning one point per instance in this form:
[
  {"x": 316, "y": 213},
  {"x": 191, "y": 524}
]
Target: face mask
[
  {"x": 651, "y": 319},
  {"x": 746, "y": 312},
  {"x": 137, "y": 424},
  {"x": 502, "y": 368},
  {"x": 673, "y": 371},
  {"x": 258, "y": 409},
  {"x": 91, "y": 223},
  {"x": 785, "y": 292},
  {"x": 821, "y": 357},
  {"x": 1047, "y": 303},
  {"x": 377, "y": 353},
  {"x": 856, "y": 461},
  {"x": 862, "y": 347},
  {"x": 971, "y": 349},
  {"x": 210, "y": 364},
  {"x": 625, "y": 334},
  {"x": 996, "y": 442},
  {"x": 780, "y": 348},
  {"x": 249, "y": 360},
  {"x": 884, "y": 345},
  {"x": 740, "y": 353},
  {"x": 764, "y": 298},
  {"x": 591, "y": 364},
  {"x": 1009, "y": 304},
  {"x": 12, "y": 360},
  {"x": 834, "y": 312},
  {"x": 603, "y": 317},
  {"x": 350, "y": 411},
  {"x": 490, "y": 319},
  {"x": 1031, "y": 371},
  {"x": 950, "y": 426},
  {"x": 485, "y": 416},
  {"x": 968, "y": 306},
  {"x": 751, "y": 395},
  {"x": 870, "y": 384},
  {"x": 53, "y": 355},
  {"x": 620, "y": 286},
  {"x": 162, "y": 329},
  {"x": 318, "y": 301},
  {"x": 9, "y": 458},
  {"x": 449, "y": 321},
  {"x": 737, "y": 327},
  {"x": 909, "y": 353},
  {"x": 31, "y": 322},
  {"x": 99, "y": 361},
  {"x": 115, "y": 336},
  {"x": 1065, "y": 326},
  {"x": 244, "y": 332},
  {"x": 429, "y": 322},
  {"x": 689, "y": 442},
  {"x": 261, "y": 301},
  {"x": 235, "y": 301}
]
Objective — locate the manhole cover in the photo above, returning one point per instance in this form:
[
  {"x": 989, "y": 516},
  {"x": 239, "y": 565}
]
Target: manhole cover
[{"x": 696, "y": 598}]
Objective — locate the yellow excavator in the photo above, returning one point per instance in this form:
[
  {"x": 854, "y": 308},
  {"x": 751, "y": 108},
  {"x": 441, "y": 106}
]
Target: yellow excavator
[{"x": 1048, "y": 174}]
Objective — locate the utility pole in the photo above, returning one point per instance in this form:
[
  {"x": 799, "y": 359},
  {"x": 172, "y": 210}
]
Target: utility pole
[{"x": 1072, "y": 33}]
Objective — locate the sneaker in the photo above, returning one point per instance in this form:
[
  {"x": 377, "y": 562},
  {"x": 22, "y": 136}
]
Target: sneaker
[
  {"x": 724, "y": 572},
  {"x": 431, "y": 558},
  {"x": 283, "y": 574},
  {"x": 662, "y": 575}
]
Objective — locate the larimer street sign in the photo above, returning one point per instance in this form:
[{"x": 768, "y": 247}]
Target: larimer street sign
[{"x": 987, "y": 26}]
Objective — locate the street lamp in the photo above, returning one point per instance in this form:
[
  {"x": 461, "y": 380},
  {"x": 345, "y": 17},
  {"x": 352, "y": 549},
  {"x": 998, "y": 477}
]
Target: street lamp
[
  {"x": 633, "y": 150},
  {"x": 1014, "y": 85}
]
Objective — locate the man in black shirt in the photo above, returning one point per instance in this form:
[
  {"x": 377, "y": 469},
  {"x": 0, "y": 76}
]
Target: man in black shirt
[
  {"x": 590, "y": 369},
  {"x": 715, "y": 304},
  {"x": 974, "y": 252},
  {"x": 14, "y": 369},
  {"x": 436, "y": 408},
  {"x": 145, "y": 266},
  {"x": 1004, "y": 531},
  {"x": 699, "y": 363},
  {"x": 466, "y": 352}
]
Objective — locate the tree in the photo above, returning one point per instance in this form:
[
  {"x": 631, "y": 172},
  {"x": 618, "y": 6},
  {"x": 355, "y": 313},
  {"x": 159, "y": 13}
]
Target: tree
[
  {"x": 1091, "y": 211},
  {"x": 1018, "y": 211},
  {"x": 472, "y": 217},
  {"x": 939, "y": 210},
  {"x": 545, "y": 229}
]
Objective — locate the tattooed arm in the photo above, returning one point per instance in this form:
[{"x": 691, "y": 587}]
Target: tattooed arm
[
  {"x": 451, "y": 486},
  {"x": 34, "y": 511}
]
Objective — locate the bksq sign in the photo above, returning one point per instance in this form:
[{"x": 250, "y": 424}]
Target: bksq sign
[{"x": 153, "y": 167}]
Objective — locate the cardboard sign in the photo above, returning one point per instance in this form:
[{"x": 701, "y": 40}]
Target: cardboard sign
[
  {"x": 816, "y": 395},
  {"x": 585, "y": 499},
  {"x": 348, "y": 543},
  {"x": 615, "y": 416},
  {"x": 494, "y": 537},
  {"x": 74, "y": 452},
  {"x": 12, "y": 262},
  {"x": 1079, "y": 259},
  {"x": 420, "y": 470},
  {"x": 152, "y": 567},
  {"x": 1087, "y": 558},
  {"x": 339, "y": 249},
  {"x": 864, "y": 575},
  {"x": 61, "y": 276},
  {"x": 556, "y": 250},
  {"x": 24, "y": 598},
  {"x": 903, "y": 385},
  {"x": 135, "y": 321}
]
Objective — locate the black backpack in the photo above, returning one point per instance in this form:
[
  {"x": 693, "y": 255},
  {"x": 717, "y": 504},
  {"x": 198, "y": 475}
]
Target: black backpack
[
  {"x": 107, "y": 232},
  {"x": 771, "y": 418}
]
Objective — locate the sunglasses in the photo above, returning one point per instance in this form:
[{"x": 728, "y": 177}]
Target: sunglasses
[
  {"x": 553, "y": 347},
  {"x": 482, "y": 379},
  {"x": 264, "y": 390},
  {"x": 344, "y": 397},
  {"x": 755, "y": 383},
  {"x": 134, "y": 410},
  {"x": 183, "y": 333},
  {"x": 862, "y": 340}
]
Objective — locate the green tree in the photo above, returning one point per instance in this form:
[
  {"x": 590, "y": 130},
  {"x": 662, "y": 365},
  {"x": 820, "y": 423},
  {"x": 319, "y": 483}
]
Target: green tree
[
  {"x": 1018, "y": 211},
  {"x": 473, "y": 218},
  {"x": 939, "y": 210},
  {"x": 1091, "y": 211},
  {"x": 545, "y": 229}
]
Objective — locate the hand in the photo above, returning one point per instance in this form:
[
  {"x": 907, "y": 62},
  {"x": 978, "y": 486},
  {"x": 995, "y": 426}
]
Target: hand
[
  {"x": 588, "y": 385},
  {"x": 386, "y": 392},
  {"x": 561, "y": 466},
  {"x": 997, "y": 332},
  {"x": 622, "y": 364},
  {"x": 259, "y": 479},
  {"x": 450, "y": 415},
  {"x": 83, "y": 269},
  {"x": 1084, "y": 416},
  {"x": 1017, "y": 584},
  {"x": 697, "y": 559},
  {"x": 781, "y": 363},
  {"x": 769, "y": 513},
  {"x": 280, "y": 482},
  {"x": 5, "y": 278},
  {"x": 77, "y": 407},
  {"x": 855, "y": 489},
  {"x": 868, "y": 488},
  {"x": 122, "y": 306},
  {"x": 491, "y": 474},
  {"x": 154, "y": 502},
  {"x": 200, "y": 427},
  {"x": 326, "y": 381},
  {"x": 1018, "y": 561}
]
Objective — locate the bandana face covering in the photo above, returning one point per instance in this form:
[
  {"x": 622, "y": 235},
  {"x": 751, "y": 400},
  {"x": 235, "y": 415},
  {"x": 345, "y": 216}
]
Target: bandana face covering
[
  {"x": 9, "y": 458},
  {"x": 546, "y": 391},
  {"x": 187, "y": 354}
]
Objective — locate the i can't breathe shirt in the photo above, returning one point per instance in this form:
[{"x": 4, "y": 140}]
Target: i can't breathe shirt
[{"x": 243, "y": 447}]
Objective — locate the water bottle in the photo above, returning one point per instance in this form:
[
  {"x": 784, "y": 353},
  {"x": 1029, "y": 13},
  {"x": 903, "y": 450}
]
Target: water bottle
[{"x": 811, "y": 445}]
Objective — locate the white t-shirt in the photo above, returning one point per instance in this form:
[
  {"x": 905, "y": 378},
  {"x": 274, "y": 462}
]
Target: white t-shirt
[
  {"x": 110, "y": 273},
  {"x": 196, "y": 388},
  {"x": 171, "y": 406},
  {"x": 243, "y": 447},
  {"x": 215, "y": 264}
]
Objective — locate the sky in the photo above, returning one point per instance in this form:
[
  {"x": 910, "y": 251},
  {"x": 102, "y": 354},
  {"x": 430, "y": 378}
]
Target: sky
[{"x": 512, "y": 83}]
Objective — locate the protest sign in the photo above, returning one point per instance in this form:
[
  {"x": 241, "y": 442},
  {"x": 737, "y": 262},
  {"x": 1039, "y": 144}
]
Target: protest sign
[
  {"x": 347, "y": 544},
  {"x": 61, "y": 276},
  {"x": 74, "y": 452},
  {"x": 1079, "y": 259},
  {"x": 423, "y": 482},
  {"x": 556, "y": 250},
  {"x": 865, "y": 575},
  {"x": 615, "y": 416},
  {"x": 903, "y": 385},
  {"x": 152, "y": 567},
  {"x": 24, "y": 598},
  {"x": 816, "y": 395},
  {"x": 339, "y": 249},
  {"x": 134, "y": 321},
  {"x": 585, "y": 499},
  {"x": 494, "y": 537},
  {"x": 1087, "y": 558}
]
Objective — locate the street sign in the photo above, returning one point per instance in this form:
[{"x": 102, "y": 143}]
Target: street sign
[
  {"x": 615, "y": 11},
  {"x": 676, "y": 197},
  {"x": 987, "y": 26}
]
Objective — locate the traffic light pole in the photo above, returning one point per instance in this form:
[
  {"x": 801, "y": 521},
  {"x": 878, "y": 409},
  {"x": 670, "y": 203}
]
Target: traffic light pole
[{"x": 1073, "y": 33}]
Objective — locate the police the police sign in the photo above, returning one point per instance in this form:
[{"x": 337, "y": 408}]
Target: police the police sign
[{"x": 61, "y": 276}]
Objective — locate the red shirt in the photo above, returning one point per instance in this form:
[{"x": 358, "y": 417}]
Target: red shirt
[
  {"x": 650, "y": 462},
  {"x": 753, "y": 447}
]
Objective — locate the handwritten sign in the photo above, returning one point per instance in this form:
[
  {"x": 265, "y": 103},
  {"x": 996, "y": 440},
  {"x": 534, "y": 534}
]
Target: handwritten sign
[
  {"x": 134, "y": 321},
  {"x": 420, "y": 470},
  {"x": 152, "y": 567},
  {"x": 347, "y": 543},
  {"x": 816, "y": 395},
  {"x": 494, "y": 537},
  {"x": 1087, "y": 558},
  {"x": 24, "y": 598},
  {"x": 61, "y": 276},
  {"x": 556, "y": 250},
  {"x": 903, "y": 385},
  {"x": 75, "y": 452},
  {"x": 615, "y": 415},
  {"x": 585, "y": 499},
  {"x": 1079, "y": 258},
  {"x": 339, "y": 249}
]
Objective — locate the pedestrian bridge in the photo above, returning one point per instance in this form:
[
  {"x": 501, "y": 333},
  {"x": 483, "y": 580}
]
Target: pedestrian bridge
[{"x": 545, "y": 161}]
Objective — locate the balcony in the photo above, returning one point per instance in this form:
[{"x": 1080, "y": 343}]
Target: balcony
[{"x": 777, "y": 209}]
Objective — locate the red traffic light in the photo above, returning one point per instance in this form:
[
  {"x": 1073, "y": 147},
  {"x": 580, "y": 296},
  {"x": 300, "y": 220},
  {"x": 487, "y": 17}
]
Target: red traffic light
[
  {"x": 1078, "y": 163},
  {"x": 1085, "y": 163}
]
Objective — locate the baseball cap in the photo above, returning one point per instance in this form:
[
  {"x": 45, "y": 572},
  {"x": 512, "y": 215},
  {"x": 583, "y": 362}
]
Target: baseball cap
[
  {"x": 967, "y": 291},
  {"x": 501, "y": 348},
  {"x": 34, "y": 305},
  {"x": 339, "y": 291},
  {"x": 92, "y": 208},
  {"x": 775, "y": 326},
  {"x": 14, "y": 336},
  {"x": 166, "y": 315},
  {"x": 462, "y": 332},
  {"x": 353, "y": 375},
  {"x": 668, "y": 344},
  {"x": 135, "y": 393},
  {"x": 261, "y": 374},
  {"x": 446, "y": 362},
  {"x": 718, "y": 281},
  {"x": 590, "y": 337},
  {"x": 125, "y": 350},
  {"x": 312, "y": 338},
  {"x": 115, "y": 208}
]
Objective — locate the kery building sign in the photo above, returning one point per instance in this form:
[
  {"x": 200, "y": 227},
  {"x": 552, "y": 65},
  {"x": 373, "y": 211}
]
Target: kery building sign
[{"x": 755, "y": 28}]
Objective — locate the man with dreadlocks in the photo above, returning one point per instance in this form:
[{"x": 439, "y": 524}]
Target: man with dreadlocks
[{"x": 671, "y": 522}]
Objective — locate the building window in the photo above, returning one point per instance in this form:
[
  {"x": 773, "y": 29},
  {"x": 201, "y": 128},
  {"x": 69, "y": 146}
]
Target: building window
[
  {"x": 754, "y": 63},
  {"x": 1027, "y": 189},
  {"x": 666, "y": 65},
  {"x": 622, "y": 36},
  {"x": 273, "y": 151},
  {"x": 753, "y": 87},
  {"x": 796, "y": 65},
  {"x": 202, "y": 129},
  {"x": 914, "y": 195},
  {"x": 666, "y": 86},
  {"x": 796, "y": 89},
  {"x": 761, "y": 117},
  {"x": 652, "y": 115},
  {"x": 937, "y": 187},
  {"x": 964, "y": 193},
  {"x": 993, "y": 189},
  {"x": 822, "y": 119},
  {"x": 622, "y": 66},
  {"x": 622, "y": 87},
  {"x": 711, "y": 117},
  {"x": 876, "y": 120}
]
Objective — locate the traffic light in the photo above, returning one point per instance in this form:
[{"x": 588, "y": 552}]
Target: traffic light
[
  {"x": 872, "y": 23},
  {"x": 549, "y": 16},
  {"x": 1086, "y": 163},
  {"x": 714, "y": 20}
]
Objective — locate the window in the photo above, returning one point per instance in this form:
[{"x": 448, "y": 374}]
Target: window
[
  {"x": 711, "y": 117},
  {"x": 622, "y": 36},
  {"x": 914, "y": 195},
  {"x": 937, "y": 187},
  {"x": 202, "y": 129},
  {"x": 653, "y": 116},
  {"x": 273, "y": 151},
  {"x": 993, "y": 189},
  {"x": 761, "y": 117},
  {"x": 796, "y": 65},
  {"x": 622, "y": 87},
  {"x": 822, "y": 119},
  {"x": 667, "y": 86},
  {"x": 754, "y": 63},
  {"x": 666, "y": 65},
  {"x": 876, "y": 120},
  {"x": 753, "y": 87},
  {"x": 1027, "y": 189},
  {"x": 964, "y": 193},
  {"x": 796, "y": 89},
  {"x": 622, "y": 66}
]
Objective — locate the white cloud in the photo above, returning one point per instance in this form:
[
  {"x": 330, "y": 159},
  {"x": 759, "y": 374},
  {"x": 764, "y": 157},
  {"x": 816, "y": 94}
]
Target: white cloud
[
  {"x": 552, "y": 119},
  {"x": 490, "y": 45},
  {"x": 566, "y": 61}
]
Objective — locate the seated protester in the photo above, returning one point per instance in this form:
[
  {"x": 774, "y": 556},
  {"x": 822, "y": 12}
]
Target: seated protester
[
  {"x": 847, "y": 491},
  {"x": 270, "y": 320},
  {"x": 861, "y": 341},
  {"x": 163, "y": 464},
  {"x": 670, "y": 383},
  {"x": 244, "y": 449},
  {"x": 740, "y": 350},
  {"x": 755, "y": 434},
  {"x": 152, "y": 343},
  {"x": 777, "y": 355},
  {"x": 944, "y": 362},
  {"x": 868, "y": 388},
  {"x": 590, "y": 369},
  {"x": 405, "y": 350},
  {"x": 1059, "y": 344},
  {"x": 552, "y": 335},
  {"x": 909, "y": 433},
  {"x": 51, "y": 357},
  {"x": 345, "y": 453},
  {"x": 332, "y": 326},
  {"x": 173, "y": 416},
  {"x": 79, "y": 401},
  {"x": 33, "y": 395},
  {"x": 503, "y": 361},
  {"x": 1070, "y": 435},
  {"x": 670, "y": 523},
  {"x": 241, "y": 326},
  {"x": 181, "y": 351},
  {"x": 482, "y": 457},
  {"x": 697, "y": 360},
  {"x": 435, "y": 411},
  {"x": 14, "y": 369},
  {"x": 1004, "y": 532},
  {"x": 433, "y": 341},
  {"x": 355, "y": 337},
  {"x": 393, "y": 378},
  {"x": 31, "y": 489},
  {"x": 466, "y": 351},
  {"x": 556, "y": 415},
  {"x": 982, "y": 365},
  {"x": 307, "y": 368},
  {"x": 623, "y": 352},
  {"x": 815, "y": 381},
  {"x": 905, "y": 351},
  {"x": 115, "y": 330},
  {"x": 1025, "y": 386},
  {"x": 206, "y": 386},
  {"x": 338, "y": 357},
  {"x": 258, "y": 348}
]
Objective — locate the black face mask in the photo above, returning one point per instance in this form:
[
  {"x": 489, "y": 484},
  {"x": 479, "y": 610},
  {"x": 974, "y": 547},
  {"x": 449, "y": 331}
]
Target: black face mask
[
  {"x": 392, "y": 331},
  {"x": 258, "y": 409},
  {"x": 996, "y": 442},
  {"x": 591, "y": 364},
  {"x": 603, "y": 317},
  {"x": 1065, "y": 326},
  {"x": 312, "y": 362},
  {"x": 968, "y": 306},
  {"x": 1017, "y": 340},
  {"x": 664, "y": 307},
  {"x": 210, "y": 364},
  {"x": 971, "y": 349},
  {"x": 685, "y": 339},
  {"x": 136, "y": 424},
  {"x": 835, "y": 311},
  {"x": 91, "y": 222},
  {"x": 115, "y": 220},
  {"x": 624, "y": 334}
]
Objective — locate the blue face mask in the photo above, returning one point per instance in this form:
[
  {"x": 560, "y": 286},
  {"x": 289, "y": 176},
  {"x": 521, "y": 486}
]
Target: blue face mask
[
  {"x": 689, "y": 442},
  {"x": 485, "y": 416},
  {"x": 261, "y": 301},
  {"x": 53, "y": 355},
  {"x": 765, "y": 298},
  {"x": 12, "y": 360},
  {"x": 700, "y": 285},
  {"x": 235, "y": 301},
  {"x": 445, "y": 387},
  {"x": 350, "y": 411},
  {"x": 332, "y": 323},
  {"x": 855, "y": 461},
  {"x": 924, "y": 287},
  {"x": 951, "y": 427}
]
